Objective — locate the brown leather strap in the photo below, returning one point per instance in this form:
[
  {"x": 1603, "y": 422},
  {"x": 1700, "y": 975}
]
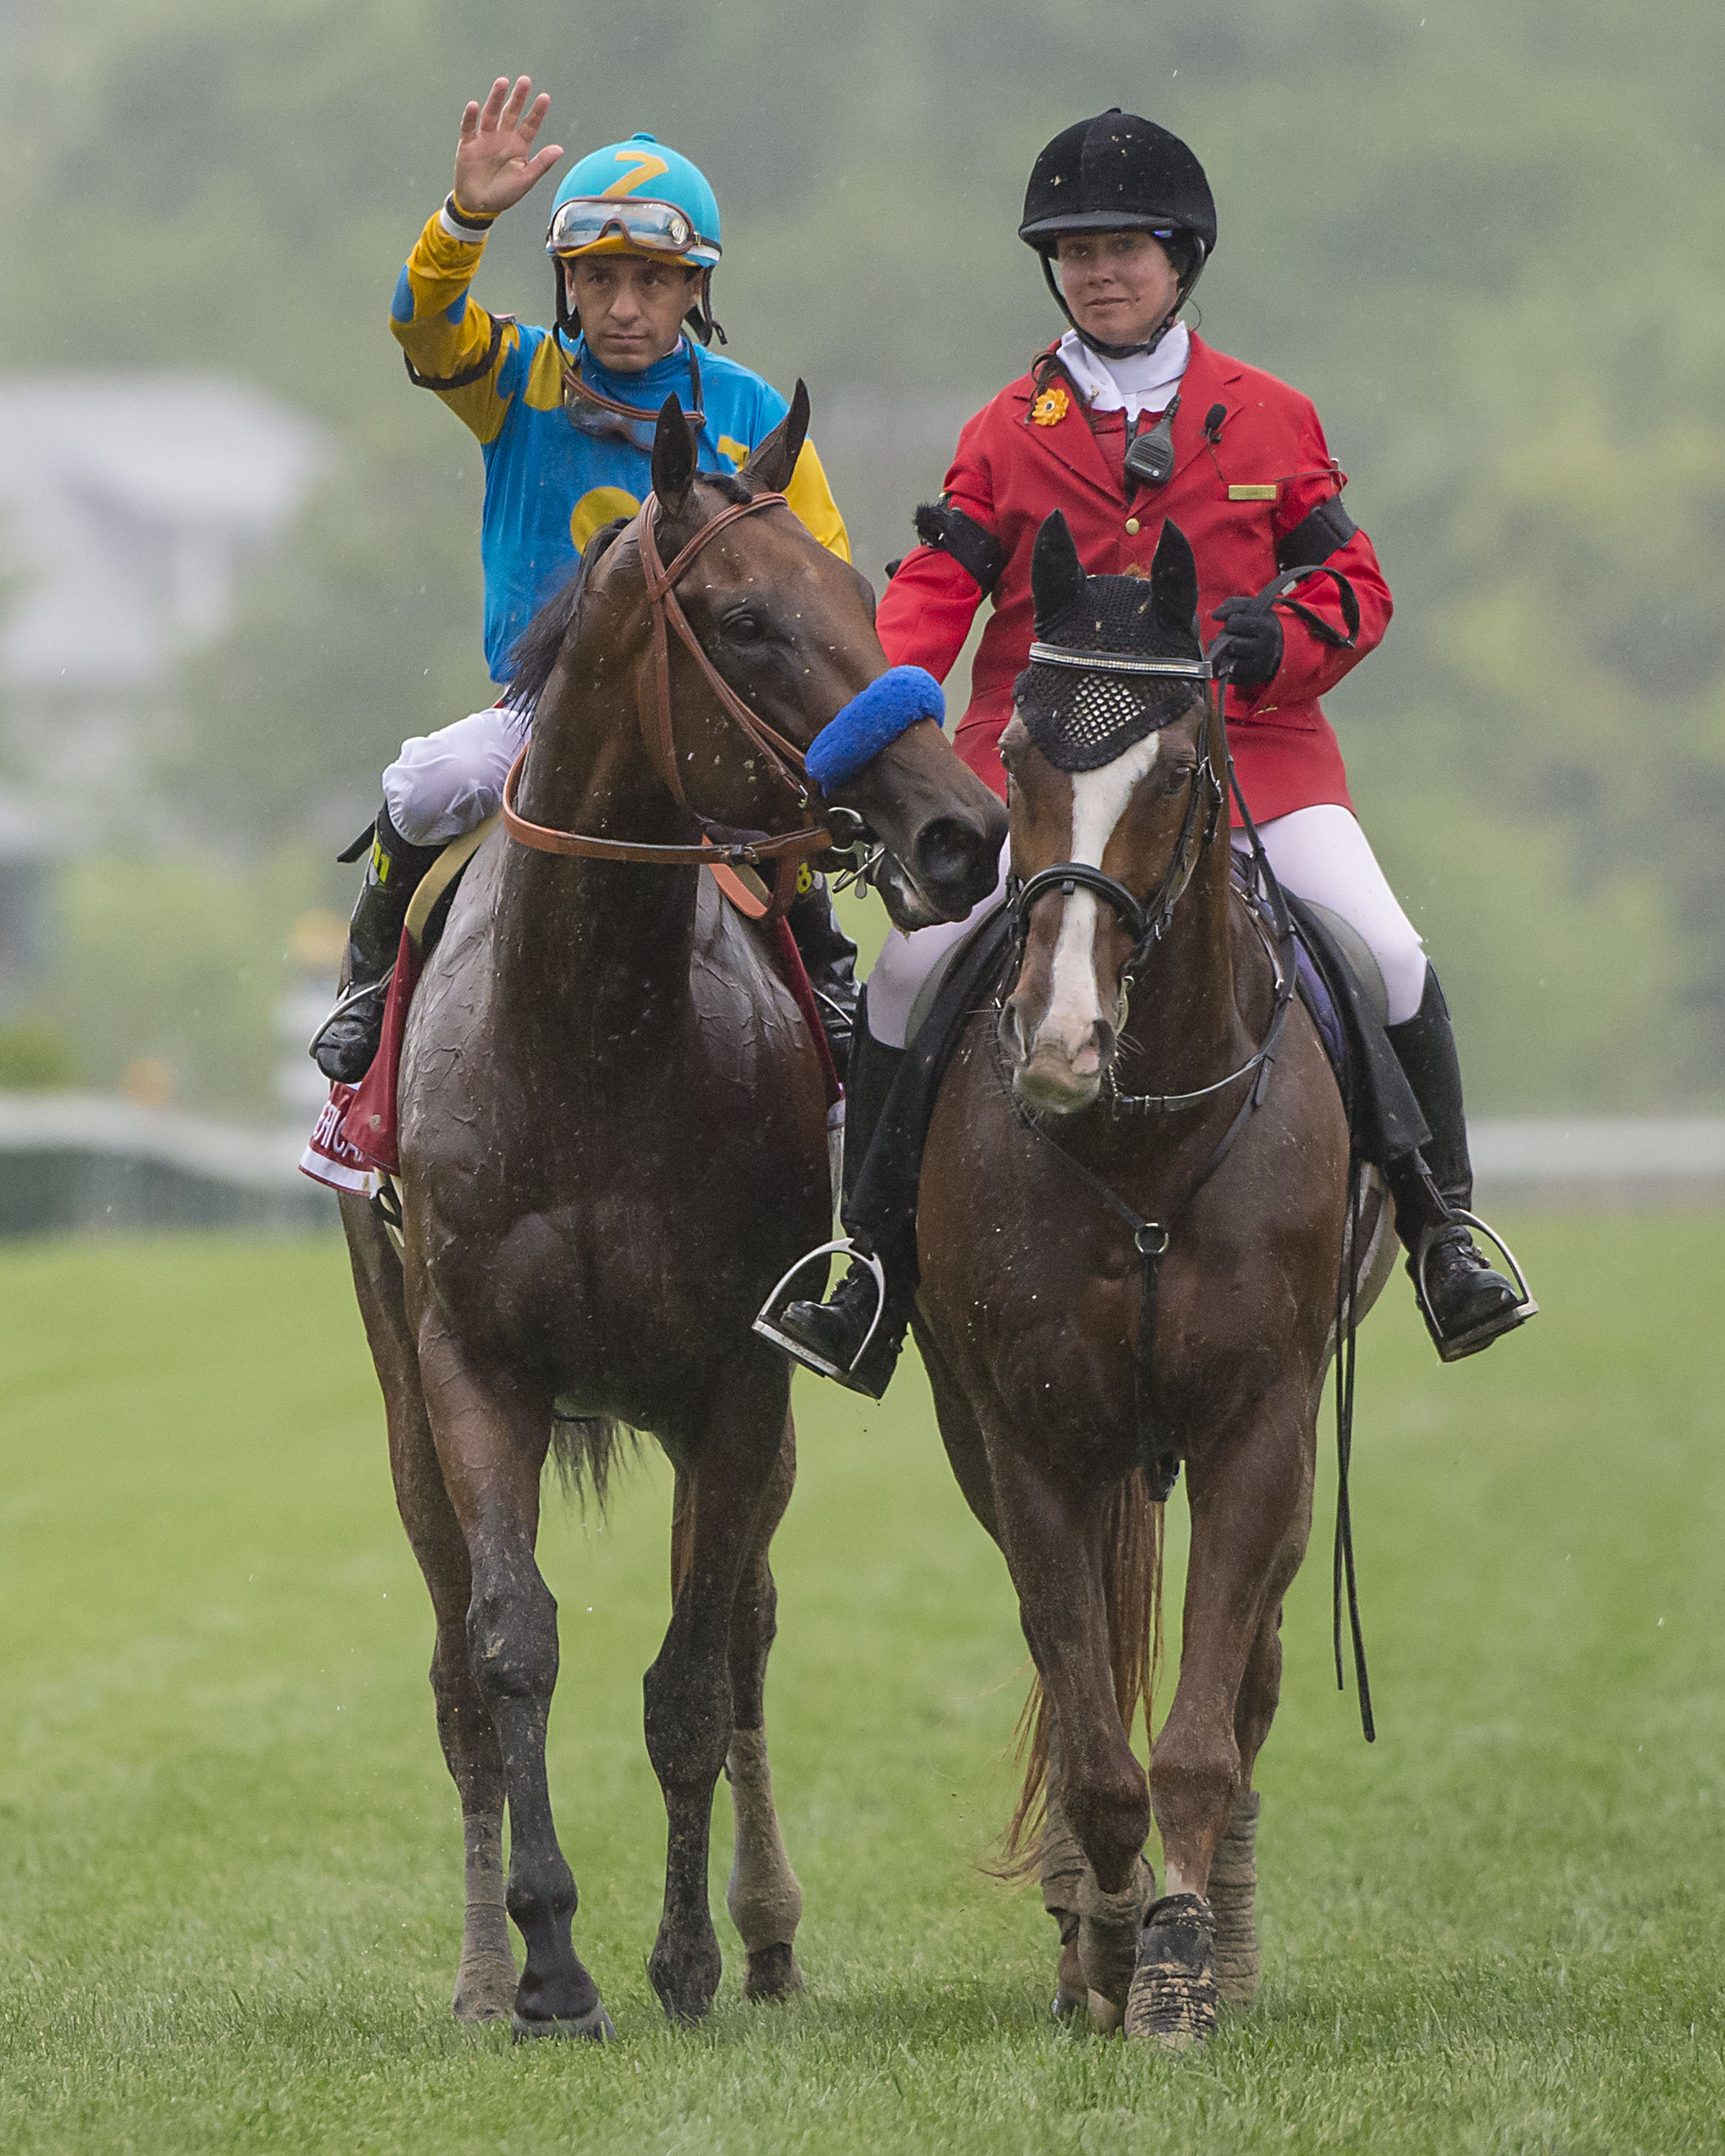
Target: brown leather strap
[
  {"x": 791, "y": 846},
  {"x": 784, "y": 760}
]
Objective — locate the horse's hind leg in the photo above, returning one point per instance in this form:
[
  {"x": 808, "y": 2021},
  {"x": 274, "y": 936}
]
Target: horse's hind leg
[
  {"x": 485, "y": 1982},
  {"x": 688, "y": 1691},
  {"x": 492, "y": 1437},
  {"x": 763, "y": 1895},
  {"x": 1234, "y": 1868}
]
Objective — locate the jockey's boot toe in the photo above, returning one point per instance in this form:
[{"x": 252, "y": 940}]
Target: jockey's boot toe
[
  {"x": 1465, "y": 1303},
  {"x": 345, "y": 1045},
  {"x": 832, "y": 1337}
]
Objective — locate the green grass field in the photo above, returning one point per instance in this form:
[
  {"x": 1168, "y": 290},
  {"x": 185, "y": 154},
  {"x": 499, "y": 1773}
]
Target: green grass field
[{"x": 230, "y": 1857}]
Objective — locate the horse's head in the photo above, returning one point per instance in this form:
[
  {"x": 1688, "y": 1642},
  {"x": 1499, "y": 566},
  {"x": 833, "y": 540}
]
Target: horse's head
[
  {"x": 789, "y": 630},
  {"x": 1112, "y": 794}
]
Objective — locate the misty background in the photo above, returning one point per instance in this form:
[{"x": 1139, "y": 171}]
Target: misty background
[{"x": 238, "y": 552}]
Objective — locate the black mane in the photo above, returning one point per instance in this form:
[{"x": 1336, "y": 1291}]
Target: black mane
[{"x": 535, "y": 651}]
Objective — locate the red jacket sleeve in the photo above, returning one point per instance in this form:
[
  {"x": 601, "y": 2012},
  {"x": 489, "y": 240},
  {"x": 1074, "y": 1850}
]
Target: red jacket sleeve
[
  {"x": 1309, "y": 666},
  {"x": 927, "y": 608}
]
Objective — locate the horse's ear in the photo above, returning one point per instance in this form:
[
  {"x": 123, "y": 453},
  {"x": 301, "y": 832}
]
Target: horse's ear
[
  {"x": 774, "y": 459},
  {"x": 1057, "y": 577},
  {"x": 1173, "y": 582},
  {"x": 673, "y": 457}
]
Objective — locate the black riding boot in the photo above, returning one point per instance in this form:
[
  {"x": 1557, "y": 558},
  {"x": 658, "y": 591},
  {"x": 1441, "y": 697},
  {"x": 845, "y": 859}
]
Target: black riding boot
[
  {"x": 829, "y": 1336},
  {"x": 343, "y": 1047},
  {"x": 829, "y": 957},
  {"x": 1465, "y": 1303}
]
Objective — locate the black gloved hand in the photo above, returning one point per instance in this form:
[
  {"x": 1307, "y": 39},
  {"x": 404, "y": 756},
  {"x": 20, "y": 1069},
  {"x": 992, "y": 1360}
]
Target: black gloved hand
[{"x": 1249, "y": 649}]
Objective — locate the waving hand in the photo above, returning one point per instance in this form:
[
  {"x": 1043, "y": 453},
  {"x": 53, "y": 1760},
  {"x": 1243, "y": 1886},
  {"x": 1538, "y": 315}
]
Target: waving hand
[{"x": 495, "y": 162}]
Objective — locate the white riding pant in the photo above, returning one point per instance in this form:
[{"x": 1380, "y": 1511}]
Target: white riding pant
[
  {"x": 443, "y": 784},
  {"x": 1319, "y": 854}
]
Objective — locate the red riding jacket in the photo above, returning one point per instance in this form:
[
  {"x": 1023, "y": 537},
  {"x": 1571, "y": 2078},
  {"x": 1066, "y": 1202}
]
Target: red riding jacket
[{"x": 1244, "y": 493}]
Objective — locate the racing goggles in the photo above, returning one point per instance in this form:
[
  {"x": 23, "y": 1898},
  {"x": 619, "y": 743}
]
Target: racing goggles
[{"x": 586, "y": 223}]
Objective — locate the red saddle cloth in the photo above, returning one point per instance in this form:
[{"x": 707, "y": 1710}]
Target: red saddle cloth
[{"x": 357, "y": 1134}]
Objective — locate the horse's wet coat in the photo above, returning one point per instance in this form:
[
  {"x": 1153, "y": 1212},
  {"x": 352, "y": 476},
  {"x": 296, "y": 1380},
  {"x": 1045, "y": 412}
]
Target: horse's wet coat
[{"x": 613, "y": 1139}]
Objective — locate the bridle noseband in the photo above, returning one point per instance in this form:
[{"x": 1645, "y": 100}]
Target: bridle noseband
[
  {"x": 784, "y": 763},
  {"x": 1146, "y": 920}
]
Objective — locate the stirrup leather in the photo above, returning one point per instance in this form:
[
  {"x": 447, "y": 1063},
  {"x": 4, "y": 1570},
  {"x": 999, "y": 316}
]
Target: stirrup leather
[
  {"x": 1480, "y": 1335},
  {"x": 764, "y": 1323}
]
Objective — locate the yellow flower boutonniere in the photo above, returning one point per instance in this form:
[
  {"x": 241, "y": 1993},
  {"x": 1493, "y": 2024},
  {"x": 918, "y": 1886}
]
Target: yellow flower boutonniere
[{"x": 1051, "y": 407}]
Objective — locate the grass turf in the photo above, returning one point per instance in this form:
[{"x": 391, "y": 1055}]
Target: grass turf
[{"x": 230, "y": 1855}]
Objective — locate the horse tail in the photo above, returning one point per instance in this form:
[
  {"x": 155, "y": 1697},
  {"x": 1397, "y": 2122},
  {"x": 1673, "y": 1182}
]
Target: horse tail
[
  {"x": 587, "y": 1450},
  {"x": 1132, "y": 1596}
]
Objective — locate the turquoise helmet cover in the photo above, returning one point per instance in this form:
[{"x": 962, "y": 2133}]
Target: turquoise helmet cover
[{"x": 644, "y": 169}]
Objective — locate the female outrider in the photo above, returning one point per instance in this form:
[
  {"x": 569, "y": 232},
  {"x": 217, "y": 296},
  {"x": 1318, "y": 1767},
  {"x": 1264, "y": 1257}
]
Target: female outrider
[{"x": 1129, "y": 420}]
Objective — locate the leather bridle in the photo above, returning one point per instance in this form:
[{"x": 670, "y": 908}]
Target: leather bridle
[
  {"x": 1146, "y": 921},
  {"x": 785, "y": 850}
]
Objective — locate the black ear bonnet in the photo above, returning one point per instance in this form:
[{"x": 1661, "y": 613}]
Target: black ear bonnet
[{"x": 1115, "y": 657}]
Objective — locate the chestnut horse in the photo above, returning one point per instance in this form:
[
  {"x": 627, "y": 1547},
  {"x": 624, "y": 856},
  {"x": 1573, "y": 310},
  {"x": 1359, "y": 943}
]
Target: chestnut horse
[
  {"x": 1167, "y": 1195},
  {"x": 612, "y": 1141}
]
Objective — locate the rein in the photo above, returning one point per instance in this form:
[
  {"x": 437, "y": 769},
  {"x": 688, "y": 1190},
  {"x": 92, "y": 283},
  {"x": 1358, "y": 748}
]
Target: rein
[{"x": 784, "y": 760}]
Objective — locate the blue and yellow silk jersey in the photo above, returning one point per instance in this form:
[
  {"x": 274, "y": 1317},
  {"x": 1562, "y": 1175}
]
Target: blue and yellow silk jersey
[{"x": 549, "y": 484}]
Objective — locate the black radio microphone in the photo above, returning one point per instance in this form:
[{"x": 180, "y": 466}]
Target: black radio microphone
[{"x": 1150, "y": 457}]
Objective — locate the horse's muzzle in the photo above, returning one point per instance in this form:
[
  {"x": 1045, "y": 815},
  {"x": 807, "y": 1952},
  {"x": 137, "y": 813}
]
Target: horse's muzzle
[{"x": 1052, "y": 1076}]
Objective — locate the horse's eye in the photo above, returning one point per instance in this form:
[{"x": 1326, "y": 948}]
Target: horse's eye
[{"x": 743, "y": 627}]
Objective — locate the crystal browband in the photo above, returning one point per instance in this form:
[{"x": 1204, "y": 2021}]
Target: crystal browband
[{"x": 1118, "y": 662}]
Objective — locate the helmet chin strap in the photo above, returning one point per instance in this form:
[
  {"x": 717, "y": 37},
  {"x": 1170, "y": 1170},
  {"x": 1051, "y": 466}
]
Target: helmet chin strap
[{"x": 1097, "y": 345}]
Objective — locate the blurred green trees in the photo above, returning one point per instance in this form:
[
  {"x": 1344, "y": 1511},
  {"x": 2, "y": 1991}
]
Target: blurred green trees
[{"x": 1487, "y": 241}]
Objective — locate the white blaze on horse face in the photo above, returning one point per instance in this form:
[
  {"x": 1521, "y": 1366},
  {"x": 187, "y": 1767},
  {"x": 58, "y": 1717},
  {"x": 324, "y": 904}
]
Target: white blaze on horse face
[{"x": 1075, "y": 1002}]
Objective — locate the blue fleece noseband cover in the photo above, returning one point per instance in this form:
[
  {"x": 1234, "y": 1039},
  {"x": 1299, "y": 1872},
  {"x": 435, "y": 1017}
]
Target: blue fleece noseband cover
[{"x": 873, "y": 719}]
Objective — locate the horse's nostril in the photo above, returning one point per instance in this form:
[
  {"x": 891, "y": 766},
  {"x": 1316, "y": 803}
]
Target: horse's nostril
[
  {"x": 948, "y": 849},
  {"x": 1012, "y": 1034}
]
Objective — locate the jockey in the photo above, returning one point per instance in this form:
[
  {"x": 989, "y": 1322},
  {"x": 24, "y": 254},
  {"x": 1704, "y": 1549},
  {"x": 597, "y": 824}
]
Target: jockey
[
  {"x": 1131, "y": 418},
  {"x": 565, "y": 418}
]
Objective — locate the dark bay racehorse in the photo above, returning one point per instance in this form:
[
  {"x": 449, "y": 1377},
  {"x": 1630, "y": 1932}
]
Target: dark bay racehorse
[
  {"x": 613, "y": 1140},
  {"x": 1158, "y": 1282}
]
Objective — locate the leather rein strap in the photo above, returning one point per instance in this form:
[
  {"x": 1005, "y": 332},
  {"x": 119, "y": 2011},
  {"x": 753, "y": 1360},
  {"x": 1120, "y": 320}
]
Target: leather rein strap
[{"x": 784, "y": 761}]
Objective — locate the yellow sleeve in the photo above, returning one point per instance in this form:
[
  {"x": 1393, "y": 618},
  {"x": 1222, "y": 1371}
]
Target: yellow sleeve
[
  {"x": 812, "y": 498},
  {"x": 446, "y": 333}
]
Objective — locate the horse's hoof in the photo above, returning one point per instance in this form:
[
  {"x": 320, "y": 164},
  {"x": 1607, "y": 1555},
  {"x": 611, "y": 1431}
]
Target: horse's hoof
[
  {"x": 593, "y": 2027},
  {"x": 1172, "y": 2000},
  {"x": 1105, "y": 2016},
  {"x": 485, "y": 1988},
  {"x": 1070, "y": 1990},
  {"x": 771, "y": 1973},
  {"x": 686, "y": 1980}
]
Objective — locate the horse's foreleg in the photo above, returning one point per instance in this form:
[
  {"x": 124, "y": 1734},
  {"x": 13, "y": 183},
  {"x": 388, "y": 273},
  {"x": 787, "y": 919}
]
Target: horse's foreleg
[
  {"x": 491, "y": 1440},
  {"x": 1052, "y": 1538},
  {"x": 763, "y": 1895},
  {"x": 485, "y": 1982},
  {"x": 687, "y": 1691},
  {"x": 1250, "y": 1501}
]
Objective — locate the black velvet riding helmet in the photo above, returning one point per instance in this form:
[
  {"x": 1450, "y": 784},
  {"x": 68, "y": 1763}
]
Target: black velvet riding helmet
[
  {"x": 1114, "y": 658},
  {"x": 1118, "y": 173}
]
